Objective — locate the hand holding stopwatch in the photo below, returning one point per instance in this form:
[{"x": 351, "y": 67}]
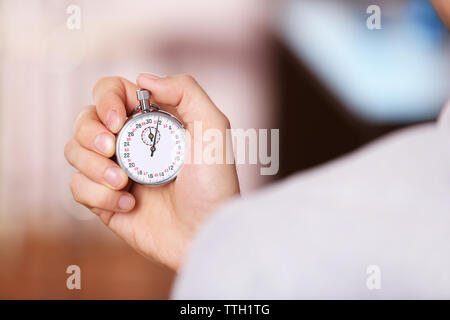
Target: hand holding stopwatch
[
  {"x": 150, "y": 126},
  {"x": 158, "y": 223}
]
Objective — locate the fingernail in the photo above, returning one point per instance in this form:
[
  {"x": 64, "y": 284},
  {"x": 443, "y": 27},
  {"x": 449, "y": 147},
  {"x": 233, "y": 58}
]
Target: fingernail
[
  {"x": 104, "y": 143},
  {"x": 112, "y": 121},
  {"x": 126, "y": 202},
  {"x": 114, "y": 176}
]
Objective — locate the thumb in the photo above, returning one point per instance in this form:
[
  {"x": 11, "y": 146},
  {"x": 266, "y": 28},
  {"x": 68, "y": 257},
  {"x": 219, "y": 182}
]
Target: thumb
[{"x": 184, "y": 93}]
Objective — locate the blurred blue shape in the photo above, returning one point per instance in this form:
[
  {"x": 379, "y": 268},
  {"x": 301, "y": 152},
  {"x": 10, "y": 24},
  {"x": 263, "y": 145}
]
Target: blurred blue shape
[
  {"x": 421, "y": 15},
  {"x": 399, "y": 74}
]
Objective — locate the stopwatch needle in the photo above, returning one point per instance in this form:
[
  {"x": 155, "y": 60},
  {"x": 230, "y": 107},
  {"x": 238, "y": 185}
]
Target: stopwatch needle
[
  {"x": 150, "y": 135},
  {"x": 153, "y": 149}
]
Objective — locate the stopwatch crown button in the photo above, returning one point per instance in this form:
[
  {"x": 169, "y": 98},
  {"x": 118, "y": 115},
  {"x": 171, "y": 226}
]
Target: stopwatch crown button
[{"x": 142, "y": 95}]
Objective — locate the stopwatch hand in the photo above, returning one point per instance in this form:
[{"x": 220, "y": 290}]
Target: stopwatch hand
[
  {"x": 150, "y": 135},
  {"x": 154, "y": 140}
]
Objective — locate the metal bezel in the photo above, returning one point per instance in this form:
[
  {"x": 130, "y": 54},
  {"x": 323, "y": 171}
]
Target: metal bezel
[{"x": 119, "y": 136}]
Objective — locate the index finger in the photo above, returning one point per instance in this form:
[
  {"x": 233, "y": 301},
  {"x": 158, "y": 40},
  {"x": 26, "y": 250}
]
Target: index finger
[{"x": 114, "y": 97}]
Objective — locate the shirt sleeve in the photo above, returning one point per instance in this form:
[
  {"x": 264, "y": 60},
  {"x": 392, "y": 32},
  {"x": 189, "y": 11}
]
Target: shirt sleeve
[{"x": 372, "y": 225}]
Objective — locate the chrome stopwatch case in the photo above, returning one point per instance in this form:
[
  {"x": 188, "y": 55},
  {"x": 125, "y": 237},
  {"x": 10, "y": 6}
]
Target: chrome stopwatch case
[{"x": 151, "y": 145}]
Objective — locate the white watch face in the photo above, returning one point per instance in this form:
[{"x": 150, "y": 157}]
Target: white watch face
[{"x": 151, "y": 147}]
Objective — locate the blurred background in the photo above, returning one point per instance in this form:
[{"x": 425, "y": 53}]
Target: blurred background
[{"x": 311, "y": 68}]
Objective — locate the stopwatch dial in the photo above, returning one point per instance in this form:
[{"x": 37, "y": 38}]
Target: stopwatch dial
[
  {"x": 151, "y": 148},
  {"x": 149, "y": 135}
]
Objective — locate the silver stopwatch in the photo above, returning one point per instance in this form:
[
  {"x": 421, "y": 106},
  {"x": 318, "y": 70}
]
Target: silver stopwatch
[{"x": 151, "y": 145}]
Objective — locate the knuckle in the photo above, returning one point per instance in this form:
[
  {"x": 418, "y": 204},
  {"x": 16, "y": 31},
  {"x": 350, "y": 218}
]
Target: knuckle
[
  {"x": 187, "y": 79},
  {"x": 100, "y": 82},
  {"x": 68, "y": 149},
  {"x": 80, "y": 118},
  {"x": 73, "y": 186},
  {"x": 107, "y": 81},
  {"x": 86, "y": 109},
  {"x": 82, "y": 131}
]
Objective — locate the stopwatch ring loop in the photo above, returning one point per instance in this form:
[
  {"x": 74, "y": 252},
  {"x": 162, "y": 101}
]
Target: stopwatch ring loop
[{"x": 152, "y": 106}]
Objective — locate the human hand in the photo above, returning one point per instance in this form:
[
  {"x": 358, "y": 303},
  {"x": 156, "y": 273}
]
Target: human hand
[{"x": 158, "y": 222}]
